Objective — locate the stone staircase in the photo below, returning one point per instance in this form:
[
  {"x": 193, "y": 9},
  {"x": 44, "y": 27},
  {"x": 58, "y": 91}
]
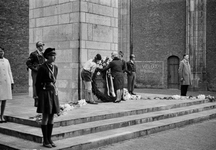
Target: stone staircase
[{"x": 91, "y": 131}]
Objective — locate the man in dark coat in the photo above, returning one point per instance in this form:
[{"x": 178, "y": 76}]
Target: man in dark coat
[
  {"x": 131, "y": 71},
  {"x": 35, "y": 60}
]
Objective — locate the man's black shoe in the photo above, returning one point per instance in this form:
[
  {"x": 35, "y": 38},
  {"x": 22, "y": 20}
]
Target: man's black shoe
[{"x": 133, "y": 93}]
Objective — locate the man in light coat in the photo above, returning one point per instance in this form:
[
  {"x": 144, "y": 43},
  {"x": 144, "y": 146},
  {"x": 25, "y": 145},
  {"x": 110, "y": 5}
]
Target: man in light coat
[{"x": 185, "y": 75}]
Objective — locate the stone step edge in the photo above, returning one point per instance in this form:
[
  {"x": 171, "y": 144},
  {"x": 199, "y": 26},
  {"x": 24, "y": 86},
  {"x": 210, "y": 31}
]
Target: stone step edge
[
  {"x": 125, "y": 122},
  {"x": 104, "y": 116},
  {"x": 96, "y": 140}
]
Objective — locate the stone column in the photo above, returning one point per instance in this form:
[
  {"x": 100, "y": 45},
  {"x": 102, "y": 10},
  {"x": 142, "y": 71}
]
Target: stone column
[
  {"x": 196, "y": 40},
  {"x": 124, "y": 27},
  {"x": 78, "y": 29}
]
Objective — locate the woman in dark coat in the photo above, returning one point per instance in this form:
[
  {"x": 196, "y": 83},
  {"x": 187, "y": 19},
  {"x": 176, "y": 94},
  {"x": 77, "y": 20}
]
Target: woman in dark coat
[
  {"x": 117, "y": 67},
  {"x": 48, "y": 103}
]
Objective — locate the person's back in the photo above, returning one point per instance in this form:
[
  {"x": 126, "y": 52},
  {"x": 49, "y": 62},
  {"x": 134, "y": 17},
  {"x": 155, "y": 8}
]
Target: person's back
[{"x": 116, "y": 66}]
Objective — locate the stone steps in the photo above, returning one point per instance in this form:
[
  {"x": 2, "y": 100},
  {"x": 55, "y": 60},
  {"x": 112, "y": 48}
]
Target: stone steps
[
  {"x": 97, "y": 139},
  {"x": 33, "y": 133},
  {"x": 90, "y": 118}
]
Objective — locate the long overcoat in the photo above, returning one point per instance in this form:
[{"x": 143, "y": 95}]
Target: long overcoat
[
  {"x": 48, "y": 101},
  {"x": 6, "y": 79},
  {"x": 117, "y": 68},
  {"x": 185, "y": 72}
]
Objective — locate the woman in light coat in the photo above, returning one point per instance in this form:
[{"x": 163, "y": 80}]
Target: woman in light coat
[
  {"x": 6, "y": 83},
  {"x": 185, "y": 75}
]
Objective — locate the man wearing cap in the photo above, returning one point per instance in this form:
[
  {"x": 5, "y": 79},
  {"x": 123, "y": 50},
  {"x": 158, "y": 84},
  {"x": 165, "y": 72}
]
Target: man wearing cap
[
  {"x": 131, "y": 72},
  {"x": 34, "y": 61}
]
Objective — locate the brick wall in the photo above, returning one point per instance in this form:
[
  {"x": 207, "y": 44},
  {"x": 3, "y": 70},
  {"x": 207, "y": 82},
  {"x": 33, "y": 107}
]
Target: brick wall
[
  {"x": 14, "y": 35},
  {"x": 159, "y": 31},
  {"x": 211, "y": 44}
]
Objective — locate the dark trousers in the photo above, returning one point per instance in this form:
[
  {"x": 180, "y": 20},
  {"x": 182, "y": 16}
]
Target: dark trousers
[
  {"x": 184, "y": 89},
  {"x": 131, "y": 82},
  {"x": 34, "y": 76}
]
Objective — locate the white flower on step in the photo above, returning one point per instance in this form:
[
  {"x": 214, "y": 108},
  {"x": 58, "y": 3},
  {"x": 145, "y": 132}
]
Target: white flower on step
[
  {"x": 139, "y": 97},
  {"x": 82, "y": 102},
  {"x": 176, "y": 97},
  {"x": 192, "y": 97},
  {"x": 201, "y": 96},
  {"x": 64, "y": 113},
  {"x": 67, "y": 107},
  {"x": 62, "y": 106},
  {"x": 126, "y": 95}
]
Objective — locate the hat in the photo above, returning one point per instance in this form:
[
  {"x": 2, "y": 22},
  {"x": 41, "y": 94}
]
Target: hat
[
  {"x": 39, "y": 43},
  {"x": 98, "y": 57},
  {"x": 49, "y": 52}
]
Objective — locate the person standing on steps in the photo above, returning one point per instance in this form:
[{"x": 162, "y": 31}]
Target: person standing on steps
[
  {"x": 86, "y": 74},
  {"x": 185, "y": 74},
  {"x": 131, "y": 74},
  {"x": 48, "y": 102},
  {"x": 35, "y": 60},
  {"x": 6, "y": 83},
  {"x": 121, "y": 55},
  {"x": 117, "y": 66}
]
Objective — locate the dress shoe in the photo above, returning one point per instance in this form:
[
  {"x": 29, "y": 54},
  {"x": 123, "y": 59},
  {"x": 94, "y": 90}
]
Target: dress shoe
[
  {"x": 53, "y": 144},
  {"x": 47, "y": 145},
  {"x": 133, "y": 93},
  {"x": 117, "y": 101}
]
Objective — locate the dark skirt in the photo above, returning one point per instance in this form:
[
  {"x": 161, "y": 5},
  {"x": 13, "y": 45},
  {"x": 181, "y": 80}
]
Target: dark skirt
[
  {"x": 48, "y": 102},
  {"x": 118, "y": 80},
  {"x": 86, "y": 75}
]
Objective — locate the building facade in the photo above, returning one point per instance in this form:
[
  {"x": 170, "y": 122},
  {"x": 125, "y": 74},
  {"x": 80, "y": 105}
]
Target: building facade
[
  {"x": 157, "y": 32},
  {"x": 160, "y": 32}
]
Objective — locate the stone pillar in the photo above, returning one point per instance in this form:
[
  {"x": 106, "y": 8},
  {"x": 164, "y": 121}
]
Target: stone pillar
[
  {"x": 99, "y": 28},
  {"x": 196, "y": 41},
  {"x": 78, "y": 29},
  {"x": 124, "y": 27}
]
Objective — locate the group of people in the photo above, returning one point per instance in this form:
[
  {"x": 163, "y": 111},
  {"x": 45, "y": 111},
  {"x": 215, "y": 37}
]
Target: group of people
[
  {"x": 117, "y": 67},
  {"x": 45, "y": 94},
  {"x": 44, "y": 74}
]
